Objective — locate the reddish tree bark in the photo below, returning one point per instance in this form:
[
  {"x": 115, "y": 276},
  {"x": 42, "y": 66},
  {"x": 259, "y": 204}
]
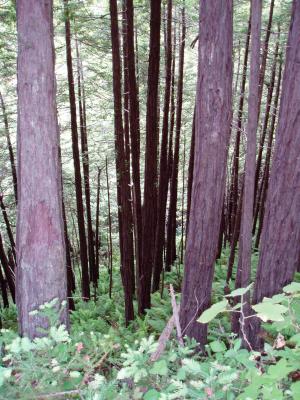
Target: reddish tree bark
[
  {"x": 150, "y": 182},
  {"x": 76, "y": 158},
  {"x": 163, "y": 165},
  {"x": 280, "y": 240},
  {"x": 212, "y": 131},
  {"x": 245, "y": 241},
  {"x": 121, "y": 171},
  {"x": 41, "y": 272},
  {"x": 135, "y": 139},
  {"x": 171, "y": 227}
]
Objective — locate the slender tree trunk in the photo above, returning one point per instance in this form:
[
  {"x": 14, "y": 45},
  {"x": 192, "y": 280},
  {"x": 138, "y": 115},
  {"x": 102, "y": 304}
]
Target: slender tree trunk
[
  {"x": 121, "y": 171},
  {"x": 97, "y": 234},
  {"x": 190, "y": 174},
  {"x": 171, "y": 227},
  {"x": 244, "y": 261},
  {"x": 8, "y": 228},
  {"x": 233, "y": 204},
  {"x": 212, "y": 132},
  {"x": 163, "y": 166},
  {"x": 134, "y": 137},
  {"x": 280, "y": 240},
  {"x": 3, "y": 291},
  {"x": 10, "y": 148},
  {"x": 110, "y": 251},
  {"x": 150, "y": 182},
  {"x": 85, "y": 166},
  {"x": 7, "y": 270},
  {"x": 265, "y": 182},
  {"x": 76, "y": 158},
  {"x": 41, "y": 273},
  {"x": 265, "y": 126}
]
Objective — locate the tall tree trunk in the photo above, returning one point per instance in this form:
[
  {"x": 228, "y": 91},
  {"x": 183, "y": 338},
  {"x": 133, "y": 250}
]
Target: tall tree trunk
[
  {"x": 41, "y": 273},
  {"x": 163, "y": 166},
  {"x": 134, "y": 137},
  {"x": 280, "y": 240},
  {"x": 109, "y": 239},
  {"x": 233, "y": 204},
  {"x": 10, "y": 148},
  {"x": 265, "y": 182},
  {"x": 121, "y": 170},
  {"x": 76, "y": 158},
  {"x": 97, "y": 234},
  {"x": 190, "y": 174},
  {"x": 85, "y": 166},
  {"x": 265, "y": 125},
  {"x": 150, "y": 182},
  {"x": 213, "y": 119},
  {"x": 245, "y": 241},
  {"x": 7, "y": 270},
  {"x": 171, "y": 227}
]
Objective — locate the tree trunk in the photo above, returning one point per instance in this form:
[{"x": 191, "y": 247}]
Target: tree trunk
[
  {"x": 10, "y": 148},
  {"x": 85, "y": 166},
  {"x": 171, "y": 227},
  {"x": 163, "y": 166},
  {"x": 150, "y": 182},
  {"x": 245, "y": 241},
  {"x": 212, "y": 131},
  {"x": 76, "y": 158},
  {"x": 121, "y": 171},
  {"x": 41, "y": 273},
  {"x": 8, "y": 228},
  {"x": 134, "y": 137},
  {"x": 97, "y": 234},
  {"x": 280, "y": 240},
  {"x": 7, "y": 270}
]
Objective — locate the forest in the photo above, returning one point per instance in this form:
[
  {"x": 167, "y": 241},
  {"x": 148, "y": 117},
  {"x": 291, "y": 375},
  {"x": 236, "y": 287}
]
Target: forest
[{"x": 150, "y": 199}]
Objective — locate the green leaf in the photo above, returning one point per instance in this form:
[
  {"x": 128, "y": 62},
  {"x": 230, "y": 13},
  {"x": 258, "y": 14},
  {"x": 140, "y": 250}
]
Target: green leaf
[
  {"x": 293, "y": 287},
  {"x": 269, "y": 311},
  {"x": 295, "y": 388},
  {"x": 239, "y": 292},
  {"x": 152, "y": 394},
  {"x": 159, "y": 368},
  {"x": 280, "y": 370},
  {"x": 217, "y": 346},
  {"x": 212, "y": 312}
]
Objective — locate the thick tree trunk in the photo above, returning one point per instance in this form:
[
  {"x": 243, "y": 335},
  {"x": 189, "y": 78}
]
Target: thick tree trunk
[
  {"x": 10, "y": 148},
  {"x": 171, "y": 227},
  {"x": 121, "y": 171},
  {"x": 280, "y": 240},
  {"x": 213, "y": 119},
  {"x": 163, "y": 166},
  {"x": 76, "y": 158},
  {"x": 245, "y": 241},
  {"x": 41, "y": 273},
  {"x": 150, "y": 182}
]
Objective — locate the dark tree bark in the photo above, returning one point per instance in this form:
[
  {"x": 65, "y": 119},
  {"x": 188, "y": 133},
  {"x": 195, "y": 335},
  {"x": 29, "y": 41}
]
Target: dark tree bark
[
  {"x": 76, "y": 158},
  {"x": 150, "y": 182},
  {"x": 265, "y": 126},
  {"x": 163, "y": 165},
  {"x": 245, "y": 241},
  {"x": 134, "y": 138},
  {"x": 171, "y": 227},
  {"x": 121, "y": 171},
  {"x": 265, "y": 182},
  {"x": 280, "y": 240},
  {"x": 109, "y": 239},
  {"x": 10, "y": 148},
  {"x": 41, "y": 273},
  {"x": 8, "y": 228},
  {"x": 212, "y": 131},
  {"x": 97, "y": 234},
  {"x": 233, "y": 203},
  {"x": 85, "y": 166},
  {"x": 190, "y": 174},
  {"x": 3, "y": 291},
  {"x": 7, "y": 270}
]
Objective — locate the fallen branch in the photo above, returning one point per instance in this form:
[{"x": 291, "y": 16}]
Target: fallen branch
[{"x": 176, "y": 316}]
